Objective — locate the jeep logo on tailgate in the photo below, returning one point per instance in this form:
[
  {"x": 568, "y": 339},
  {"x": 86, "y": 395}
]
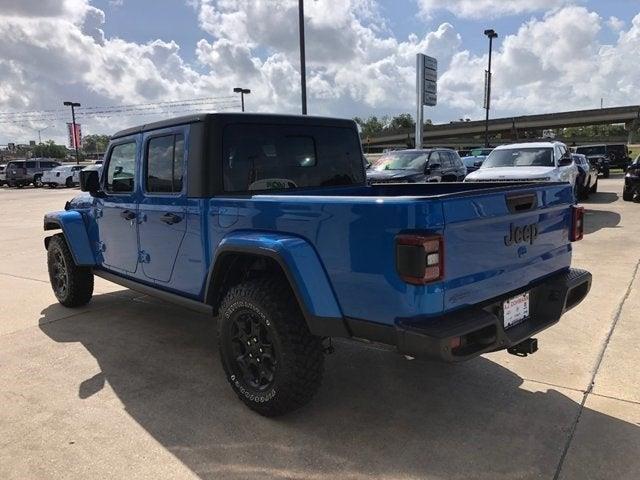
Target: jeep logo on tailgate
[{"x": 527, "y": 233}]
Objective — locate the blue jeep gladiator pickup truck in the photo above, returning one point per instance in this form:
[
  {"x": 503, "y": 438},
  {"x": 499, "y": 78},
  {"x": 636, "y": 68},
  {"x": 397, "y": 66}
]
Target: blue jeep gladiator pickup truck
[{"x": 267, "y": 223}]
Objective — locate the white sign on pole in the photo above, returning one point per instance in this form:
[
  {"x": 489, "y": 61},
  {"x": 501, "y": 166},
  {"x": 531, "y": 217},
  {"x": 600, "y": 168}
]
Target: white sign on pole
[{"x": 426, "y": 89}]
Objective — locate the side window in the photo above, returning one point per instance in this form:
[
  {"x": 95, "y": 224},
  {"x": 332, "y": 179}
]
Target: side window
[
  {"x": 435, "y": 158},
  {"x": 445, "y": 160},
  {"x": 165, "y": 160},
  {"x": 121, "y": 169},
  {"x": 31, "y": 164}
]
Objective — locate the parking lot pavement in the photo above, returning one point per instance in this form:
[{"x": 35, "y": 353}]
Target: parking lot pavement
[{"x": 130, "y": 387}]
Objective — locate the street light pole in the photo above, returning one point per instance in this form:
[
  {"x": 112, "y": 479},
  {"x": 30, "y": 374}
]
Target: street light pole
[
  {"x": 73, "y": 127},
  {"x": 303, "y": 67},
  {"x": 40, "y": 130},
  {"x": 491, "y": 34},
  {"x": 242, "y": 92}
]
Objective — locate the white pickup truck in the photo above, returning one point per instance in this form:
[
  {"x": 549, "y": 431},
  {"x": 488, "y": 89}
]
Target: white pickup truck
[
  {"x": 62, "y": 175},
  {"x": 528, "y": 162}
]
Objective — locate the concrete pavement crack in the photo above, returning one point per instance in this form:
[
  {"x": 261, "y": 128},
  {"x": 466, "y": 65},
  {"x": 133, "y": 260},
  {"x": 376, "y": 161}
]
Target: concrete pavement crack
[
  {"x": 23, "y": 278},
  {"x": 599, "y": 360}
]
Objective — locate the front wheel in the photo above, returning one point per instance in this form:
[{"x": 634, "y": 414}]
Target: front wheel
[
  {"x": 272, "y": 361},
  {"x": 606, "y": 173},
  {"x": 37, "y": 181},
  {"x": 627, "y": 194},
  {"x": 69, "y": 182},
  {"x": 594, "y": 187},
  {"x": 71, "y": 284}
]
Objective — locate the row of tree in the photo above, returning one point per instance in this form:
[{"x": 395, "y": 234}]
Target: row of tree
[
  {"x": 90, "y": 144},
  {"x": 374, "y": 126}
]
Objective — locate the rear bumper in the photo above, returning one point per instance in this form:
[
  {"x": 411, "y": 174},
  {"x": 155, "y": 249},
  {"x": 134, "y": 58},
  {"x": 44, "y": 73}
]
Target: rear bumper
[{"x": 479, "y": 329}]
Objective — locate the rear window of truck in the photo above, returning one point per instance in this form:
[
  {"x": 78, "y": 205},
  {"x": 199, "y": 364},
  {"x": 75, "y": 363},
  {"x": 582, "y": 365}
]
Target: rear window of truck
[{"x": 279, "y": 157}]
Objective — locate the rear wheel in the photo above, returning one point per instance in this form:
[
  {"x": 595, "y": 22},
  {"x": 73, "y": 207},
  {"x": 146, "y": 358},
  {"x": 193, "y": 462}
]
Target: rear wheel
[
  {"x": 272, "y": 361},
  {"x": 627, "y": 194},
  {"x": 69, "y": 182},
  {"x": 71, "y": 284}
]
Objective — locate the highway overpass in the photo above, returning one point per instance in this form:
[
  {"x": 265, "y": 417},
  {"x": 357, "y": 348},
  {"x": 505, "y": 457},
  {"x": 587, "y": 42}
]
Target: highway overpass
[{"x": 509, "y": 128}]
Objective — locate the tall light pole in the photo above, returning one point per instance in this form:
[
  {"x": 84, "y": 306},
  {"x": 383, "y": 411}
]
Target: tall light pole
[
  {"x": 40, "y": 130},
  {"x": 73, "y": 105},
  {"x": 242, "y": 92},
  {"x": 303, "y": 67},
  {"x": 487, "y": 92}
]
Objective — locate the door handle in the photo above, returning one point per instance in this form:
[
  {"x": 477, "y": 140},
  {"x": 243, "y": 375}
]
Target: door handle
[
  {"x": 170, "y": 218},
  {"x": 128, "y": 214}
]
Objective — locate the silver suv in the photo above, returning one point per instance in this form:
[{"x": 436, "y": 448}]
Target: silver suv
[{"x": 20, "y": 173}]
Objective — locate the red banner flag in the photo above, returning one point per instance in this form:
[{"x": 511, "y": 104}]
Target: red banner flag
[{"x": 77, "y": 141}]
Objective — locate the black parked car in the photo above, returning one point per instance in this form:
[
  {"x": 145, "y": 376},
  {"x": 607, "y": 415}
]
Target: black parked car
[
  {"x": 412, "y": 166},
  {"x": 631, "y": 189},
  {"x": 616, "y": 153},
  {"x": 587, "y": 181}
]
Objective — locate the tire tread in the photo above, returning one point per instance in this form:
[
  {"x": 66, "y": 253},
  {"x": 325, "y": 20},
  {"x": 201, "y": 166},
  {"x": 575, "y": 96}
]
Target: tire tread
[
  {"x": 80, "y": 289},
  {"x": 303, "y": 354}
]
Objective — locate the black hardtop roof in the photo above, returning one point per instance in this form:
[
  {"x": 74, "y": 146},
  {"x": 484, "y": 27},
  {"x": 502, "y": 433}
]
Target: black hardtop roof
[{"x": 237, "y": 118}]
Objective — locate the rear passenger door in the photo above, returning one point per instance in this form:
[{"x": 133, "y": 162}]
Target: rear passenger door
[{"x": 163, "y": 213}]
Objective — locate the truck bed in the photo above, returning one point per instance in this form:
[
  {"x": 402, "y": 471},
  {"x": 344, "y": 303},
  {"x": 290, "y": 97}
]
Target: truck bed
[{"x": 353, "y": 230}]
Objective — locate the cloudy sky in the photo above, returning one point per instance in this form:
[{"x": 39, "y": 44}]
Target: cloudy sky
[{"x": 551, "y": 55}]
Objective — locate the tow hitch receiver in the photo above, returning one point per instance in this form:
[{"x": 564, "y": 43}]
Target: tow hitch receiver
[{"x": 524, "y": 348}]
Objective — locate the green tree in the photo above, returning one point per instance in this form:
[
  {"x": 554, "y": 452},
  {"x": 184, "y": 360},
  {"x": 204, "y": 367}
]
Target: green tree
[
  {"x": 370, "y": 127},
  {"x": 49, "y": 149},
  {"x": 402, "y": 121},
  {"x": 95, "y": 143}
]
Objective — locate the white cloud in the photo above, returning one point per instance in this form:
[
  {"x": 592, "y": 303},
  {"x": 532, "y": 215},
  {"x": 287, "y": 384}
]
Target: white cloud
[
  {"x": 356, "y": 66},
  {"x": 615, "y": 24},
  {"x": 550, "y": 64},
  {"x": 489, "y": 8}
]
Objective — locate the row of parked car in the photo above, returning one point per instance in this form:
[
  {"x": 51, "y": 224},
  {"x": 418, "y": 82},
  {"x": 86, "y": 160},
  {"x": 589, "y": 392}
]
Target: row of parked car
[
  {"x": 41, "y": 172},
  {"x": 539, "y": 161}
]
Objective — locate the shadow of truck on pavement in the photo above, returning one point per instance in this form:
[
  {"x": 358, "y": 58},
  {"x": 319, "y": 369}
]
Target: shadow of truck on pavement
[{"x": 376, "y": 415}]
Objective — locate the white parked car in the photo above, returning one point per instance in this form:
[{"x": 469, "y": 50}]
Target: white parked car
[
  {"x": 62, "y": 175},
  {"x": 527, "y": 162},
  {"x": 3, "y": 174},
  {"x": 95, "y": 166}
]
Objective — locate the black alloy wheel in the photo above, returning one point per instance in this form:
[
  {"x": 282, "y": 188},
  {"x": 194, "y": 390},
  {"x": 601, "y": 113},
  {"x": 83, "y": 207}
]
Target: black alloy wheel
[{"x": 253, "y": 350}]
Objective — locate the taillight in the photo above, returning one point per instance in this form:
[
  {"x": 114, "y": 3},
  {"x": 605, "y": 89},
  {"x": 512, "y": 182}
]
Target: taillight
[
  {"x": 420, "y": 258},
  {"x": 577, "y": 223}
]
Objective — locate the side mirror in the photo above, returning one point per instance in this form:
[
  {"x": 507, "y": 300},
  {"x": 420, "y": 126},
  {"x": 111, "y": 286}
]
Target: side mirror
[
  {"x": 89, "y": 181},
  {"x": 565, "y": 161}
]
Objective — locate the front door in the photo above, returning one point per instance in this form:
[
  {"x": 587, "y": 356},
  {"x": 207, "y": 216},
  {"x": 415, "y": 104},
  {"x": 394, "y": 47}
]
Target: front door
[
  {"x": 117, "y": 211},
  {"x": 163, "y": 210}
]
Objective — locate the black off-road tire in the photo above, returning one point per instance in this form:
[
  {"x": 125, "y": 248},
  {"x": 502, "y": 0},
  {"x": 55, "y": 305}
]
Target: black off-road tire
[
  {"x": 627, "y": 195},
  {"x": 69, "y": 182},
  {"x": 594, "y": 187},
  {"x": 71, "y": 284},
  {"x": 295, "y": 359},
  {"x": 37, "y": 181}
]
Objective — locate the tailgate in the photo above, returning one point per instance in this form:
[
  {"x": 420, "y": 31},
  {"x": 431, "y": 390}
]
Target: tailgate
[{"x": 499, "y": 241}]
